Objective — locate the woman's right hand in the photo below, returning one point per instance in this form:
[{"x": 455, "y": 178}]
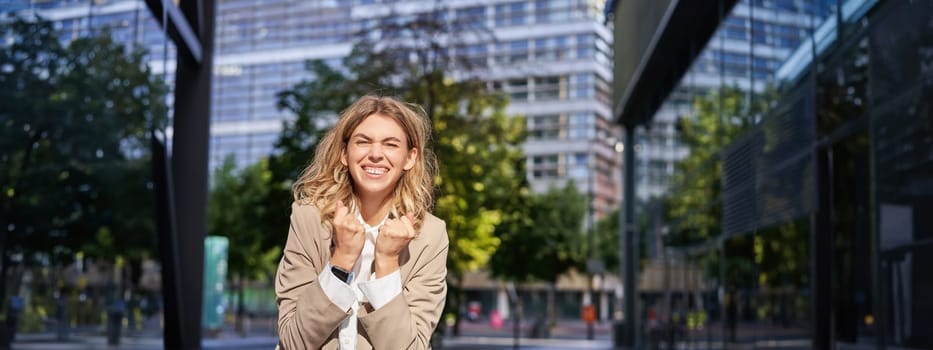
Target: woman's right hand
[{"x": 349, "y": 237}]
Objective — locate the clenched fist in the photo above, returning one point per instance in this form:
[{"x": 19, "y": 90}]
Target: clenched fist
[
  {"x": 349, "y": 237},
  {"x": 392, "y": 240}
]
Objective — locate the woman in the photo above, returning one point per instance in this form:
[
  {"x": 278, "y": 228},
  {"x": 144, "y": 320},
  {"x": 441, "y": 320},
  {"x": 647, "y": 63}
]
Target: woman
[{"x": 365, "y": 262}]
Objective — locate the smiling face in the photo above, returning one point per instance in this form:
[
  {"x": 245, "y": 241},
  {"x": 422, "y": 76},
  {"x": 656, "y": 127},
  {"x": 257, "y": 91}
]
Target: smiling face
[{"x": 377, "y": 154}]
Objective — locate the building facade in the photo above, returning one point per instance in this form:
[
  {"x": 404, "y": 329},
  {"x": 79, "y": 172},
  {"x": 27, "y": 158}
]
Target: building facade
[
  {"x": 754, "y": 40},
  {"x": 817, "y": 240},
  {"x": 551, "y": 57}
]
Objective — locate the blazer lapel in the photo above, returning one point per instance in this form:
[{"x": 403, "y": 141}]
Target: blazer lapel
[
  {"x": 409, "y": 256},
  {"x": 327, "y": 240}
]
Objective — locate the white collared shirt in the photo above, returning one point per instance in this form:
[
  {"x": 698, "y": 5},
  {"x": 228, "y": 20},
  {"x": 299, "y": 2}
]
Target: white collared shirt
[{"x": 363, "y": 287}]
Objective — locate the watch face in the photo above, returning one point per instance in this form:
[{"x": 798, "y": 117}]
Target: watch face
[{"x": 342, "y": 274}]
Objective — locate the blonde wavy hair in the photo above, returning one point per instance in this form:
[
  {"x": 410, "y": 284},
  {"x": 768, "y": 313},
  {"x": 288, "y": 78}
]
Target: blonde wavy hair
[{"x": 326, "y": 179}]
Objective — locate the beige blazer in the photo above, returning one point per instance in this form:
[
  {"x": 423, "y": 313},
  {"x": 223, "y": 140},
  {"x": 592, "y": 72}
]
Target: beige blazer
[{"x": 309, "y": 320}]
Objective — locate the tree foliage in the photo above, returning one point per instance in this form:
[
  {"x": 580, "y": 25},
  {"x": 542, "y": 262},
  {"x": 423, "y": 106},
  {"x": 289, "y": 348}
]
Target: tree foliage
[
  {"x": 606, "y": 240},
  {"x": 478, "y": 147},
  {"x": 236, "y": 210},
  {"x": 74, "y": 144},
  {"x": 545, "y": 241},
  {"x": 542, "y": 239}
]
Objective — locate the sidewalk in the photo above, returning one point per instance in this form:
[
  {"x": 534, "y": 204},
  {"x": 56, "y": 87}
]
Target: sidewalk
[
  {"x": 566, "y": 335},
  {"x": 564, "y": 329},
  {"x": 474, "y": 342},
  {"x": 47, "y": 341},
  {"x": 147, "y": 337}
]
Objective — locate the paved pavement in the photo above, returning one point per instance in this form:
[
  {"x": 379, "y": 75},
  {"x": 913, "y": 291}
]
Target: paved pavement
[
  {"x": 82, "y": 342},
  {"x": 479, "y": 335},
  {"x": 48, "y": 342},
  {"x": 567, "y": 335}
]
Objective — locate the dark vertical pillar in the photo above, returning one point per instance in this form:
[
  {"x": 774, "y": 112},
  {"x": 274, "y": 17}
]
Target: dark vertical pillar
[
  {"x": 821, "y": 252},
  {"x": 919, "y": 258},
  {"x": 878, "y": 279},
  {"x": 590, "y": 223},
  {"x": 189, "y": 166},
  {"x": 168, "y": 242},
  {"x": 723, "y": 289},
  {"x": 4, "y": 338},
  {"x": 627, "y": 241}
]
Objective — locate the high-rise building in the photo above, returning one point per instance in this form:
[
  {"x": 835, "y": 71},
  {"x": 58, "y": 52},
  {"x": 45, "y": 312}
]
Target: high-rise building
[
  {"x": 753, "y": 41},
  {"x": 552, "y": 57}
]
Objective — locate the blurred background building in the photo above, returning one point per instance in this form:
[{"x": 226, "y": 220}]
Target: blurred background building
[{"x": 552, "y": 57}]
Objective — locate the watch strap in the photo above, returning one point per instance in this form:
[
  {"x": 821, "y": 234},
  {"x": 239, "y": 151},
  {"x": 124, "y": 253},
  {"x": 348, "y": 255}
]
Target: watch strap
[{"x": 341, "y": 274}]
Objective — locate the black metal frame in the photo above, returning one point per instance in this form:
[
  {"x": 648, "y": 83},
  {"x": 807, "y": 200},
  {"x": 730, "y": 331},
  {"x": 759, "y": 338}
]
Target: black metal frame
[
  {"x": 181, "y": 178},
  {"x": 690, "y": 25}
]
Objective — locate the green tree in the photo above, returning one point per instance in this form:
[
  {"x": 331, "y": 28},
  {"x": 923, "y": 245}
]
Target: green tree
[
  {"x": 74, "y": 144},
  {"x": 606, "y": 241},
  {"x": 606, "y": 237},
  {"x": 542, "y": 240},
  {"x": 236, "y": 210},
  {"x": 478, "y": 149},
  {"x": 477, "y": 144}
]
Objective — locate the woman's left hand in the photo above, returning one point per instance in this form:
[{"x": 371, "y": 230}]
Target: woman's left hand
[{"x": 393, "y": 238}]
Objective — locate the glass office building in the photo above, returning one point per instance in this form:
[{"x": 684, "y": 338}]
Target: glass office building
[
  {"x": 822, "y": 234},
  {"x": 552, "y": 57},
  {"x": 756, "y": 37}
]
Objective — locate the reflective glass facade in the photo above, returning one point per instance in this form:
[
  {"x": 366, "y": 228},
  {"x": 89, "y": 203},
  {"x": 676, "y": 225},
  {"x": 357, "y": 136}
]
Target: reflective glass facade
[
  {"x": 823, "y": 237},
  {"x": 753, "y": 41}
]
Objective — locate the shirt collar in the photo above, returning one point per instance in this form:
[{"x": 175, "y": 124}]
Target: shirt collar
[{"x": 374, "y": 230}]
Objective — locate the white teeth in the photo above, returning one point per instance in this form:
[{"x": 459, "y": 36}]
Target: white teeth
[{"x": 375, "y": 171}]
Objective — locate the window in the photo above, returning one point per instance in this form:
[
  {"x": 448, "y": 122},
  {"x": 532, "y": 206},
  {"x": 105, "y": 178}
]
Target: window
[
  {"x": 545, "y": 127},
  {"x": 471, "y": 17},
  {"x": 543, "y": 51},
  {"x": 545, "y": 166},
  {"x": 474, "y": 55},
  {"x": 549, "y": 88},
  {"x": 585, "y": 46},
  {"x": 517, "y": 89},
  {"x": 518, "y": 51},
  {"x": 512, "y": 14},
  {"x": 552, "y": 11},
  {"x": 581, "y": 126},
  {"x": 582, "y": 86},
  {"x": 603, "y": 90},
  {"x": 580, "y": 158},
  {"x": 735, "y": 28}
]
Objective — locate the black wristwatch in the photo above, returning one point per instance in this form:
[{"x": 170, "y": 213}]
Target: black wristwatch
[{"x": 341, "y": 274}]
